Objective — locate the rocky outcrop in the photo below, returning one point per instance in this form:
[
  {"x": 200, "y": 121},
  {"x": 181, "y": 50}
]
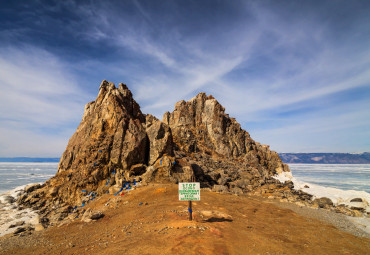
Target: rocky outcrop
[
  {"x": 116, "y": 143},
  {"x": 218, "y": 150},
  {"x": 201, "y": 125}
]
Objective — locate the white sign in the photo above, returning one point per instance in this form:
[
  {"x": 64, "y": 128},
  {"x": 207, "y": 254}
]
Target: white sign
[{"x": 189, "y": 191}]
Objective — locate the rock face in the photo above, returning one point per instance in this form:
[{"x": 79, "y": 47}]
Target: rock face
[
  {"x": 160, "y": 138},
  {"x": 201, "y": 125},
  {"x": 111, "y": 137},
  {"x": 116, "y": 143}
]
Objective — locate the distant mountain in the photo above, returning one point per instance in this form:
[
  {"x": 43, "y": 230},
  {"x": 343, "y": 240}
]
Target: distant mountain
[
  {"x": 30, "y": 160},
  {"x": 326, "y": 158}
]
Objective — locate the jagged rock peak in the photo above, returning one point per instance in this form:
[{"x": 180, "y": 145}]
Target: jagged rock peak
[
  {"x": 201, "y": 125},
  {"x": 106, "y": 85},
  {"x": 109, "y": 96},
  {"x": 111, "y": 137},
  {"x": 203, "y": 119}
]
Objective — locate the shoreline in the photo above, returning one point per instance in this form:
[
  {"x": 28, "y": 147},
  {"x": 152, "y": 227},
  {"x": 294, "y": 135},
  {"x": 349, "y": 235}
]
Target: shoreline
[{"x": 353, "y": 199}]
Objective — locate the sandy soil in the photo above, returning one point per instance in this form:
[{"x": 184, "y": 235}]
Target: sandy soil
[{"x": 223, "y": 224}]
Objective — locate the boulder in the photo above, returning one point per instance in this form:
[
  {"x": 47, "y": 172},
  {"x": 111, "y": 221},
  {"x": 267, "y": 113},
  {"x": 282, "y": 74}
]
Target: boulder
[
  {"x": 114, "y": 189},
  {"x": 323, "y": 202},
  {"x": 17, "y": 224},
  {"x": 32, "y": 187},
  {"x": 97, "y": 216},
  {"x": 19, "y": 230},
  {"x": 91, "y": 215},
  {"x": 289, "y": 184},
  {"x": 220, "y": 188},
  {"x": 360, "y": 209},
  {"x": 236, "y": 190},
  {"x": 161, "y": 171},
  {"x": 9, "y": 199},
  {"x": 215, "y": 216},
  {"x": 39, "y": 227}
]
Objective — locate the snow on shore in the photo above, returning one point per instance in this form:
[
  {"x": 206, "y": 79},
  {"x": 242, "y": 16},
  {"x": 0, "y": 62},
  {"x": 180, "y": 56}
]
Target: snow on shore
[
  {"x": 11, "y": 214},
  {"x": 338, "y": 197}
]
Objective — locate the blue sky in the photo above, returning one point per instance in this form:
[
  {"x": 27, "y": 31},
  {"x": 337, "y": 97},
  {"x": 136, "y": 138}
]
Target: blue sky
[{"x": 295, "y": 74}]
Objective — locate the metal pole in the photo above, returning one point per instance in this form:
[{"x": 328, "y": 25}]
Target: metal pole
[{"x": 190, "y": 211}]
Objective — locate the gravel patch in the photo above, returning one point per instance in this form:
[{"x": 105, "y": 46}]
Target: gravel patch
[{"x": 338, "y": 220}]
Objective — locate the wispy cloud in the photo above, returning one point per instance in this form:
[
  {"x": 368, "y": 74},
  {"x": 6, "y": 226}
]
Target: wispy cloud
[
  {"x": 342, "y": 131},
  {"x": 39, "y": 97}
]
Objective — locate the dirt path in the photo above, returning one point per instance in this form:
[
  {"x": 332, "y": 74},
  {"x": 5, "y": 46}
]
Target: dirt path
[{"x": 224, "y": 224}]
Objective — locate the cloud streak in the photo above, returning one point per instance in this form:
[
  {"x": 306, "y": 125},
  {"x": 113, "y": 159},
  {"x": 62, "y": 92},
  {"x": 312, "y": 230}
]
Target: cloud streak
[{"x": 261, "y": 60}]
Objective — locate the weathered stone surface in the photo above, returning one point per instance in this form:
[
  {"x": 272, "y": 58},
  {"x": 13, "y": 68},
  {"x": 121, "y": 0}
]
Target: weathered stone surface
[
  {"x": 160, "y": 138},
  {"x": 161, "y": 171},
  {"x": 356, "y": 200}
]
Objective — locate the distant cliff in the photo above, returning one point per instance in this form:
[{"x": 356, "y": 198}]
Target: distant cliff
[
  {"x": 326, "y": 158},
  {"x": 30, "y": 160}
]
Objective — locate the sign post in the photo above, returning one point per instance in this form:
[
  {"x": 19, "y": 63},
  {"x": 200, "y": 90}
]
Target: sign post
[{"x": 189, "y": 191}]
